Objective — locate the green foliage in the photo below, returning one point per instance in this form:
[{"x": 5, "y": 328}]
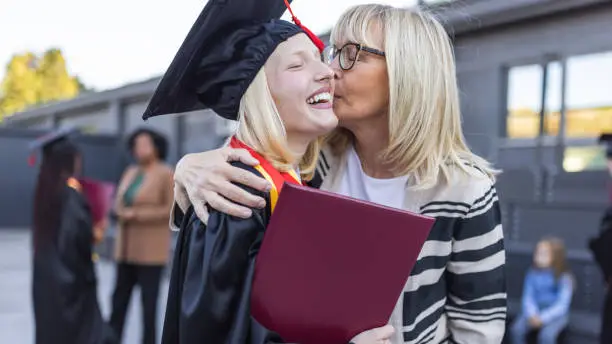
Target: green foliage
[{"x": 32, "y": 80}]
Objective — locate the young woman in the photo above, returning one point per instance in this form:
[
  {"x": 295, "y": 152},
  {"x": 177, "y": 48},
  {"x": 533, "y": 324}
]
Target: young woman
[
  {"x": 400, "y": 144},
  {"x": 64, "y": 281},
  {"x": 547, "y": 295},
  {"x": 143, "y": 203},
  {"x": 271, "y": 79}
]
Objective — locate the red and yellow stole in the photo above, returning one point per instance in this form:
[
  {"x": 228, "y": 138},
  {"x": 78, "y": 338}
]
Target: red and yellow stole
[{"x": 271, "y": 174}]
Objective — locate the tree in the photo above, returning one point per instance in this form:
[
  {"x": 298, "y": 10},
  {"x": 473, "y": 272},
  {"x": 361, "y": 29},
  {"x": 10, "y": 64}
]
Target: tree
[{"x": 31, "y": 80}]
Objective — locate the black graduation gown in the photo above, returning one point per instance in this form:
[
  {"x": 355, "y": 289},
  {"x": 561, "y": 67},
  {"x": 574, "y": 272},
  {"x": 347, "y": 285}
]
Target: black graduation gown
[
  {"x": 210, "y": 283},
  {"x": 66, "y": 307},
  {"x": 600, "y": 246}
]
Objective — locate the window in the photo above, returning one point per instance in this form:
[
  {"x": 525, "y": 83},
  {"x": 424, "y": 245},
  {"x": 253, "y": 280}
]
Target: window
[
  {"x": 588, "y": 100},
  {"x": 578, "y": 159},
  {"x": 589, "y": 95},
  {"x": 524, "y": 98}
]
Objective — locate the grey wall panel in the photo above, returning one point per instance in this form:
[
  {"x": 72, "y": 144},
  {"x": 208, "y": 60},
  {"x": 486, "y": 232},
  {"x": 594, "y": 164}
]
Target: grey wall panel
[
  {"x": 588, "y": 187},
  {"x": 578, "y": 32},
  {"x": 95, "y": 120},
  {"x": 572, "y": 224},
  {"x": 519, "y": 184},
  {"x": 480, "y": 115}
]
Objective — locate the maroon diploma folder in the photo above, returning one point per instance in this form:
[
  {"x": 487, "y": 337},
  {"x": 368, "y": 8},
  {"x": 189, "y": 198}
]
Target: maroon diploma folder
[
  {"x": 99, "y": 195},
  {"x": 331, "y": 267}
]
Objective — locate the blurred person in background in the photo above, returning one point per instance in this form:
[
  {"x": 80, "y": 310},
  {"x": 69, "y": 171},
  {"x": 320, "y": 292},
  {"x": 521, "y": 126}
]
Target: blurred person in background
[
  {"x": 64, "y": 284},
  {"x": 600, "y": 247},
  {"x": 143, "y": 202},
  {"x": 400, "y": 144},
  {"x": 547, "y": 295}
]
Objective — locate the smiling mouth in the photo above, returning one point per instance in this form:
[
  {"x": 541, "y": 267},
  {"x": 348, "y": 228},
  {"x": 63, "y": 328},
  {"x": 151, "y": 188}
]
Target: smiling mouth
[{"x": 320, "y": 98}]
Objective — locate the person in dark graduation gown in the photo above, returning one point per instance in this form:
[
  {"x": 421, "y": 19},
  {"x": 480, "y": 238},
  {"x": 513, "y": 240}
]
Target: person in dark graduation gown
[
  {"x": 246, "y": 65},
  {"x": 600, "y": 246},
  {"x": 65, "y": 300}
]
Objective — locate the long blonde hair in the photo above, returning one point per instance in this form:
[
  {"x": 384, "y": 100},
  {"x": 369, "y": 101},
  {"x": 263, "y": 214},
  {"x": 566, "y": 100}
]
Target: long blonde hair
[
  {"x": 261, "y": 127},
  {"x": 425, "y": 136}
]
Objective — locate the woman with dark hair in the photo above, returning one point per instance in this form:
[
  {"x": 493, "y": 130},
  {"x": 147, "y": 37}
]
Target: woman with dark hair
[
  {"x": 143, "y": 203},
  {"x": 64, "y": 280}
]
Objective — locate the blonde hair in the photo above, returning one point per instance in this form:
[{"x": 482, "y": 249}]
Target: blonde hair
[
  {"x": 425, "y": 136},
  {"x": 261, "y": 127}
]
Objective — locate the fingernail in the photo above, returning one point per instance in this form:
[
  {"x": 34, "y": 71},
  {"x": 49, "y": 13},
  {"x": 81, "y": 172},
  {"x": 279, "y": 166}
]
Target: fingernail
[
  {"x": 247, "y": 213},
  {"x": 268, "y": 187},
  {"x": 261, "y": 204}
]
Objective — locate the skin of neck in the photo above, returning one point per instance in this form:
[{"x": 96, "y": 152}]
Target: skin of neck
[
  {"x": 298, "y": 145},
  {"x": 147, "y": 164},
  {"x": 371, "y": 139}
]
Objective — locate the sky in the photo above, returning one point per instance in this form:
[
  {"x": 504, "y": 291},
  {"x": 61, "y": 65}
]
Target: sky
[{"x": 115, "y": 42}]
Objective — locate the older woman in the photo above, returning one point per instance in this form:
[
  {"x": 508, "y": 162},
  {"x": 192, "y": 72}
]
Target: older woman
[
  {"x": 143, "y": 203},
  {"x": 399, "y": 144}
]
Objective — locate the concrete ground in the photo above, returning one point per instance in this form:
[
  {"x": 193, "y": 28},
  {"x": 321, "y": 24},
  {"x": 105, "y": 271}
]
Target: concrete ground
[{"x": 16, "y": 319}]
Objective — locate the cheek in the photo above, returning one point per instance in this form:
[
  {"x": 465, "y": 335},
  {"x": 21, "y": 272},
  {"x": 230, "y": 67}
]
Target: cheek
[
  {"x": 290, "y": 97},
  {"x": 363, "y": 94}
]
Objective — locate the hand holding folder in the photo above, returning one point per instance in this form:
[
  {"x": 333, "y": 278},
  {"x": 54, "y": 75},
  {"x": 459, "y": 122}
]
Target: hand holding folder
[{"x": 331, "y": 267}]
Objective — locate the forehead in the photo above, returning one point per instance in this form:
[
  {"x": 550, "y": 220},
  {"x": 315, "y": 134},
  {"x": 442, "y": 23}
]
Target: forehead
[
  {"x": 543, "y": 245},
  {"x": 358, "y": 29},
  {"x": 296, "y": 44}
]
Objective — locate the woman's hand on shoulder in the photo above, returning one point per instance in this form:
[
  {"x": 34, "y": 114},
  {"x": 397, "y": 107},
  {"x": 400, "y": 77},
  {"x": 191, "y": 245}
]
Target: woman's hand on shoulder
[
  {"x": 207, "y": 177},
  {"x": 380, "y": 335}
]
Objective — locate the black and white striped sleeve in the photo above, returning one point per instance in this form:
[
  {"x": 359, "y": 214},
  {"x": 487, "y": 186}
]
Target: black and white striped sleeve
[{"x": 476, "y": 304}]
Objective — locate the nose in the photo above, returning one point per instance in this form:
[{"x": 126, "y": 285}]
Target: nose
[
  {"x": 335, "y": 66},
  {"x": 326, "y": 74}
]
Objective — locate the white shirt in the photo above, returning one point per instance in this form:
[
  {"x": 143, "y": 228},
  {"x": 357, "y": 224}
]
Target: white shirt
[
  {"x": 355, "y": 183},
  {"x": 389, "y": 192}
]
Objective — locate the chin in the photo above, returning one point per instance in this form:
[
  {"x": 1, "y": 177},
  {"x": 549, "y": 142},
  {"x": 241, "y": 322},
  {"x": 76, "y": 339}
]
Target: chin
[{"x": 324, "y": 120}]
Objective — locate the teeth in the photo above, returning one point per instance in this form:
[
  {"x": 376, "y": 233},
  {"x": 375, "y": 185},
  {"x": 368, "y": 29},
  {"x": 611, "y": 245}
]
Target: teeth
[{"x": 325, "y": 96}]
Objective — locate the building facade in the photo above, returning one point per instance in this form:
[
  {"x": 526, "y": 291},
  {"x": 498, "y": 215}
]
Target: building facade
[{"x": 119, "y": 112}]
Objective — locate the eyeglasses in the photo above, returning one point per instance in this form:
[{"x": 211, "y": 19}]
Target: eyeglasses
[{"x": 349, "y": 53}]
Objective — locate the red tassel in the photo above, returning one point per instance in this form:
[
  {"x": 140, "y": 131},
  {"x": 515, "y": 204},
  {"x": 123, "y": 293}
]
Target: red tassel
[
  {"x": 314, "y": 38},
  {"x": 32, "y": 160}
]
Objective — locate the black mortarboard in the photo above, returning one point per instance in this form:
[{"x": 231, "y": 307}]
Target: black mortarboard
[
  {"x": 606, "y": 139},
  {"x": 49, "y": 140},
  {"x": 226, "y": 47}
]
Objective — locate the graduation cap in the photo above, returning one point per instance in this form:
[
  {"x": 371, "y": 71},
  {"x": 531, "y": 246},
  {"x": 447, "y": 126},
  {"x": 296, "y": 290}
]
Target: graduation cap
[
  {"x": 48, "y": 141},
  {"x": 226, "y": 47},
  {"x": 606, "y": 139}
]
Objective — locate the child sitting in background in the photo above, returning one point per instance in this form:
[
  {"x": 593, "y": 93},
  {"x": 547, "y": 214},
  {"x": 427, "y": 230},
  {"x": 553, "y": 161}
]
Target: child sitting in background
[{"x": 547, "y": 294}]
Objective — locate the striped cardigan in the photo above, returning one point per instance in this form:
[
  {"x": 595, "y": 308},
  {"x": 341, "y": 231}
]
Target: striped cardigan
[{"x": 456, "y": 292}]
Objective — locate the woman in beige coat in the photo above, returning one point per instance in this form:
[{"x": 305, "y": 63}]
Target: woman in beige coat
[{"x": 143, "y": 203}]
